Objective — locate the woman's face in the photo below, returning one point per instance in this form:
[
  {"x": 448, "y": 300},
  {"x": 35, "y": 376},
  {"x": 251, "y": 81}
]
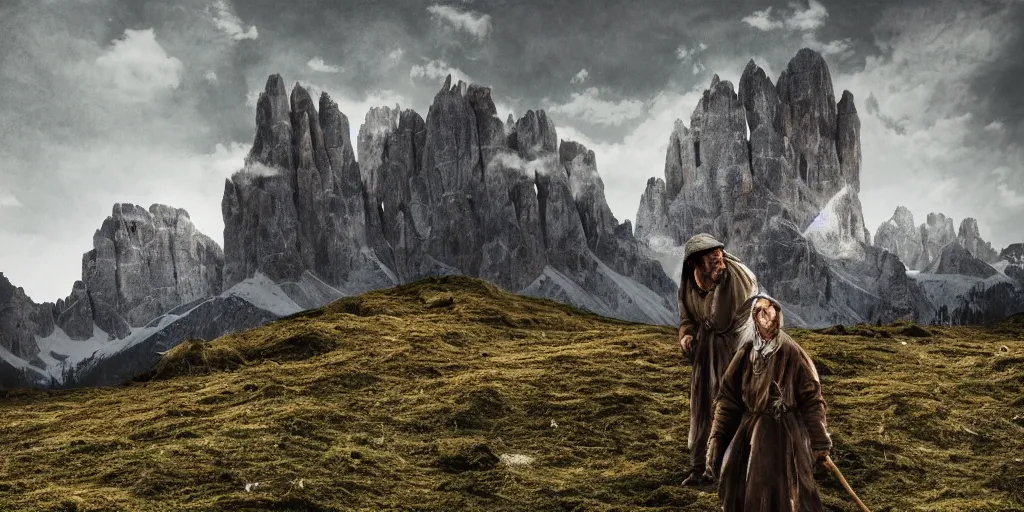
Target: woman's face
[{"x": 765, "y": 317}]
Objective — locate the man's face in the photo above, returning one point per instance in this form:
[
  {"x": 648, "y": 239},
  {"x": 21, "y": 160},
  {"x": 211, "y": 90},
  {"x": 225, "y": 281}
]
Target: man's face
[{"x": 712, "y": 265}]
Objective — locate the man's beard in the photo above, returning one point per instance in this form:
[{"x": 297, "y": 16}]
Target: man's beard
[{"x": 712, "y": 282}]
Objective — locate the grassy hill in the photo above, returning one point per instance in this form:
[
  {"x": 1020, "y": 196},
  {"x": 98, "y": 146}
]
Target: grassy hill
[{"x": 449, "y": 394}]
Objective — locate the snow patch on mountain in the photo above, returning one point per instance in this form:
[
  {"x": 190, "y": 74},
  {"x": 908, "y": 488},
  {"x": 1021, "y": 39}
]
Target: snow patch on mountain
[{"x": 831, "y": 231}]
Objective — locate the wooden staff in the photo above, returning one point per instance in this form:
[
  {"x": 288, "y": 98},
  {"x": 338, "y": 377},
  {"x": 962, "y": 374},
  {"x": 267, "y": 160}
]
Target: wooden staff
[{"x": 846, "y": 485}]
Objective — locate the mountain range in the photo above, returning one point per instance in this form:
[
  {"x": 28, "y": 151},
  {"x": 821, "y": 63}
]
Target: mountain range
[{"x": 463, "y": 192}]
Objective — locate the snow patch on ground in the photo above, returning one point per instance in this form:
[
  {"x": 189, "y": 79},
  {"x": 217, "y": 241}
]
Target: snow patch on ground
[
  {"x": 58, "y": 350},
  {"x": 1000, "y": 266},
  {"x": 260, "y": 291},
  {"x": 20, "y": 363}
]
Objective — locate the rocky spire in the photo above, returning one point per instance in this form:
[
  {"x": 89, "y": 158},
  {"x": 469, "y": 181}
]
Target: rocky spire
[
  {"x": 848, "y": 140},
  {"x": 809, "y": 121},
  {"x": 901, "y": 237},
  {"x": 970, "y": 238},
  {"x": 588, "y": 192},
  {"x": 935, "y": 234},
  {"x": 652, "y": 215},
  {"x": 273, "y": 143}
]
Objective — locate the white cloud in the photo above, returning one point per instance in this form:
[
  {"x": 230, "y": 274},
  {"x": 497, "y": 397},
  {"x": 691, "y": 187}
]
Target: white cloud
[
  {"x": 762, "y": 20},
  {"x": 477, "y": 24},
  {"x": 396, "y": 54},
  {"x": 580, "y": 77},
  {"x": 589, "y": 107},
  {"x": 698, "y": 68},
  {"x": 228, "y": 23},
  {"x": 683, "y": 53},
  {"x": 811, "y": 18},
  {"x": 210, "y": 76},
  {"x": 9, "y": 201},
  {"x": 936, "y": 148},
  {"x": 253, "y": 97},
  {"x": 836, "y": 47},
  {"x": 437, "y": 71},
  {"x": 139, "y": 66},
  {"x": 805, "y": 21},
  {"x": 625, "y": 166},
  {"x": 799, "y": 19},
  {"x": 1010, "y": 198},
  {"x": 318, "y": 64}
]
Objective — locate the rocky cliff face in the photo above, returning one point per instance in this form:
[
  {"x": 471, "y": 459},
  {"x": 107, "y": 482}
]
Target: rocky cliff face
[
  {"x": 936, "y": 232},
  {"x": 920, "y": 247},
  {"x": 955, "y": 259},
  {"x": 21, "y": 320},
  {"x": 300, "y": 203},
  {"x": 786, "y": 199},
  {"x": 969, "y": 237},
  {"x": 459, "y": 192},
  {"x": 143, "y": 264},
  {"x": 901, "y": 237}
]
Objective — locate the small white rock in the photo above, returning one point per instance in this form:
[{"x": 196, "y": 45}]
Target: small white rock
[
  {"x": 553, "y": 424},
  {"x": 516, "y": 459}
]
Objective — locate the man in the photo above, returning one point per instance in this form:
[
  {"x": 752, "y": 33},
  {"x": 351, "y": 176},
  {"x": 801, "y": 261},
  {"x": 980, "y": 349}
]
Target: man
[
  {"x": 712, "y": 290},
  {"x": 769, "y": 427}
]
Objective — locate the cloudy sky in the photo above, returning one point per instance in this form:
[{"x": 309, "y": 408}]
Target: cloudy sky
[{"x": 105, "y": 101}]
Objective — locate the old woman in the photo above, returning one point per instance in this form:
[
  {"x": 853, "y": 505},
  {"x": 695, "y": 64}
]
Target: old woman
[{"x": 769, "y": 426}]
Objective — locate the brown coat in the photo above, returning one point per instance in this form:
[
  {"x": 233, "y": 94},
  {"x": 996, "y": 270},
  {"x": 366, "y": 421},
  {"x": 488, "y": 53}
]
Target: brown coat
[
  {"x": 713, "y": 319},
  {"x": 769, "y": 420}
]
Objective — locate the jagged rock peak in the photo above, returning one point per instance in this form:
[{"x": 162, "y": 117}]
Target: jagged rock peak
[
  {"x": 21, "y": 320},
  {"x": 759, "y": 97},
  {"x": 954, "y": 259},
  {"x": 1014, "y": 253},
  {"x": 901, "y": 237},
  {"x": 969, "y": 236},
  {"x": 272, "y": 144},
  {"x": 903, "y": 217},
  {"x": 806, "y": 89},
  {"x": 846, "y": 105},
  {"x": 568, "y": 151},
  {"x": 146, "y": 262},
  {"x": 535, "y": 135},
  {"x": 275, "y": 85}
]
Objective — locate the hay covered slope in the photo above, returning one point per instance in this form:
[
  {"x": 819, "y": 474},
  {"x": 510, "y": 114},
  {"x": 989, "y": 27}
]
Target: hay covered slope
[{"x": 449, "y": 394}]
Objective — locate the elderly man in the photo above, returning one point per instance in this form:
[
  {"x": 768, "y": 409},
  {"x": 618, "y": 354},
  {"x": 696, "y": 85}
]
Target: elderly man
[
  {"x": 712, "y": 289},
  {"x": 769, "y": 427}
]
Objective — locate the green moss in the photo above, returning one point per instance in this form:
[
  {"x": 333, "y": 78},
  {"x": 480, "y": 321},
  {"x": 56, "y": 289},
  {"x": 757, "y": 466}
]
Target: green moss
[{"x": 407, "y": 399}]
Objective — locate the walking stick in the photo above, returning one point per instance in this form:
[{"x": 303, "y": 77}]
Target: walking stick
[{"x": 846, "y": 485}]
